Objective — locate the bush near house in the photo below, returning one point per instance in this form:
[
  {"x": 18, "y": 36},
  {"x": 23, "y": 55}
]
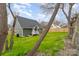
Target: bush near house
[{"x": 52, "y": 43}]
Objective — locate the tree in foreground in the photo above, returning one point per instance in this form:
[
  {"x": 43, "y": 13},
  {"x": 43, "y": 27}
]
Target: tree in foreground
[
  {"x": 43, "y": 34},
  {"x": 68, "y": 17},
  {"x": 12, "y": 30},
  {"x": 67, "y": 11},
  {"x": 3, "y": 25}
]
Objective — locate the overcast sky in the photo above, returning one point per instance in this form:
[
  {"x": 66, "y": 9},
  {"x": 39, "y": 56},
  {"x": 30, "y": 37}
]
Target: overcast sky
[{"x": 33, "y": 11}]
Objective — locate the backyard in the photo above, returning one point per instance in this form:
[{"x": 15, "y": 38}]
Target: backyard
[{"x": 53, "y": 42}]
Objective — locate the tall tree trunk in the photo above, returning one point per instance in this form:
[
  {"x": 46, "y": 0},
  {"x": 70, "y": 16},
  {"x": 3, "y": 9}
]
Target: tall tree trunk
[
  {"x": 12, "y": 34},
  {"x": 13, "y": 28},
  {"x": 43, "y": 34},
  {"x": 70, "y": 24},
  {"x": 71, "y": 30},
  {"x": 3, "y": 25},
  {"x": 77, "y": 36},
  {"x": 68, "y": 17}
]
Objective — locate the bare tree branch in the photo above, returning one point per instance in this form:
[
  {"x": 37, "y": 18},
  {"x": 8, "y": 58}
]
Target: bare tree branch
[
  {"x": 48, "y": 8},
  {"x": 69, "y": 12},
  {"x": 65, "y": 13},
  {"x": 10, "y": 9},
  {"x": 62, "y": 8}
]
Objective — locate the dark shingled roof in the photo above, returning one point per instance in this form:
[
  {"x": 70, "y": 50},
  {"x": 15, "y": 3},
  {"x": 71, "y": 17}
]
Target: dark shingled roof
[{"x": 27, "y": 23}]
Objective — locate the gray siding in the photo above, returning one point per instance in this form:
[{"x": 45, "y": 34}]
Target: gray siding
[
  {"x": 18, "y": 28},
  {"x": 27, "y": 32}
]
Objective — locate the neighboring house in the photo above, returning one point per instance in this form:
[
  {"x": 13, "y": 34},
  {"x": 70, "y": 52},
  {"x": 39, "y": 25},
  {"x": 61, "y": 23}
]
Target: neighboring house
[
  {"x": 25, "y": 26},
  {"x": 55, "y": 26},
  {"x": 44, "y": 24}
]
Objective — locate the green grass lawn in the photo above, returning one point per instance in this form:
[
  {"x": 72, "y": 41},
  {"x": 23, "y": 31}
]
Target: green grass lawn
[{"x": 52, "y": 43}]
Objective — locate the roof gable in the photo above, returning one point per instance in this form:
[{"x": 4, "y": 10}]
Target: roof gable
[{"x": 27, "y": 23}]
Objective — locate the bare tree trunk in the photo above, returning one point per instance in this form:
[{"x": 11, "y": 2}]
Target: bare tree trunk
[
  {"x": 77, "y": 37},
  {"x": 12, "y": 34},
  {"x": 43, "y": 34},
  {"x": 76, "y": 34},
  {"x": 75, "y": 40},
  {"x": 71, "y": 30},
  {"x": 70, "y": 23},
  {"x": 3, "y": 25},
  {"x": 68, "y": 17},
  {"x": 12, "y": 31},
  {"x": 74, "y": 37},
  {"x": 13, "y": 27}
]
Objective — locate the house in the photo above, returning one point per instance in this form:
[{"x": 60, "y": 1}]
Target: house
[
  {"x": 55, "y": 26},
  {"x": 25, "y": 26},
  {"x": 44, "y": 24}
]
